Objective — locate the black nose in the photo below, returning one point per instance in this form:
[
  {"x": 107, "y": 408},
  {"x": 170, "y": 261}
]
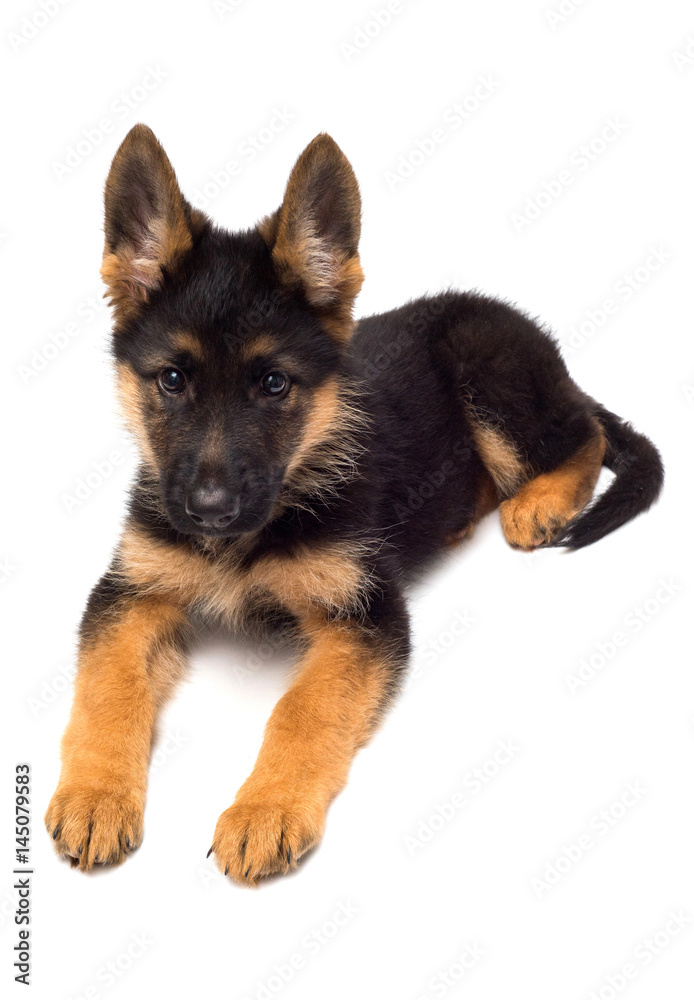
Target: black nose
[{"x": 212, "y": 506}]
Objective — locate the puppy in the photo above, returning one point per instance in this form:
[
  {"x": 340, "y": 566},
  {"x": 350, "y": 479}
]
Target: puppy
[{"x": 297, "y": 465}]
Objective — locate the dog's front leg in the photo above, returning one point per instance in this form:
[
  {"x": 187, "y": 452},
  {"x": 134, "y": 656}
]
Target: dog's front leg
[
  {"x": 343, "y": 683},
  {"x": 130, "y": 655}
]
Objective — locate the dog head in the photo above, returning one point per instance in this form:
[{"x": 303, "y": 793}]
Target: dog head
[{"x": 229, "y": 346}]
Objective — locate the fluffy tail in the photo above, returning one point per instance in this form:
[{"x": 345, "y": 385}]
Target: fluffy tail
[{"x": 638, "y": 471}]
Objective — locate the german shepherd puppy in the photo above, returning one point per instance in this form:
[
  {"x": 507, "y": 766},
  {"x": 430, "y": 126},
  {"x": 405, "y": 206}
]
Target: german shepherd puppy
[{"x": 296, "y": 463}]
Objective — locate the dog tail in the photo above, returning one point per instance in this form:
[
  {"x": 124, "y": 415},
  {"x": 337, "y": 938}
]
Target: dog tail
[{"x": 638, "y": 480}]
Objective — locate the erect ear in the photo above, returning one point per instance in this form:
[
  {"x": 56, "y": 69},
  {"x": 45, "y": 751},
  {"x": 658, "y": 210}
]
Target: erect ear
[
  {"x": 314, "y": 236},
  {"x": 149, "y": 225}
]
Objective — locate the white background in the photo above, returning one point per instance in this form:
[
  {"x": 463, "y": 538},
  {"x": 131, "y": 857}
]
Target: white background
[{"x": 415, "y": 906}]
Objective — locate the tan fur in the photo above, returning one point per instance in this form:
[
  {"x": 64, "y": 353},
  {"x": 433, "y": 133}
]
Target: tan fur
[
  {"x": 328, "y": 452},
  {"x": 124, "y": 294},
  {"x": 213, "y": 450},
  {"x": 339, "y": 321},
  {"x": 330, "y": 274},
  {"x": 260, "y": 346},
  {"x": 541, "y": 508},
  {"x": 133, "y": 267},
  {"x": 130, "y": 399},
  {"x": 129, "y": 665},
  {"x": 125, "y": 673},
  {"x": 267, "y": 227},
  {"x": 322, "y": 419},
  {"x": 184, "y": 340},
  {"x": 310, "y": 741},
  {"x": 331, "y": 576},
  {"x": 328, "y": 576},
  {"x": 332, "y": 280},
  {"x": 130, "y": 278},
  {"x": 326, "y": 274},
  {"x": 500, "y": 457}
]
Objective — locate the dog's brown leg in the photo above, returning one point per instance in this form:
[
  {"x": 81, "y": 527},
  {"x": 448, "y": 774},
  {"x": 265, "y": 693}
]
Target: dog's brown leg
[
  {"x": 538, "y": 511},
  {"x": 129, "y": 658},
  {"x": 310, "y": 740}
]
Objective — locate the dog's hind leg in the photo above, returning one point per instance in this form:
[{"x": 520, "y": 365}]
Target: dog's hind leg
[
  {"x": 537, "y": 503},
  {"x": 539, "y": 436},
  {"x": 538, "y": 513}
]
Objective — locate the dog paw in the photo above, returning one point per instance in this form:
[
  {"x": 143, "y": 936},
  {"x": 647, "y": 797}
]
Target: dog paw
[
  {"x": 255, "y": 839},
  {"x": 94, "y": 825},
  {"x": 529, "y": 522}
]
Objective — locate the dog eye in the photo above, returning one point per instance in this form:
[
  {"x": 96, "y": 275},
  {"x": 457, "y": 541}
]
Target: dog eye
[
  {"x": 172, "y": 380},
  {"x": 274, "y": 384}
]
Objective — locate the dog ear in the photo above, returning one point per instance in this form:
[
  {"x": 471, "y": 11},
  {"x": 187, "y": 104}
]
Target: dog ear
[
  {"x": 314, "y": 235},
  {"x": 149, "y": 225}
]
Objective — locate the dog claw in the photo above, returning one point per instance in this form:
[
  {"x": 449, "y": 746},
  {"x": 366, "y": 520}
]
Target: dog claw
[
  {"x": 55, "y": 833},
  {"x": 210, "y": 851}
]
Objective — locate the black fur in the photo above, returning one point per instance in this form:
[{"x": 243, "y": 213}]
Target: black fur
[
  {"x": 418, "y": 372},
  {"x": 311, "y": 504},
  {"x": 638, "y": 480}
]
